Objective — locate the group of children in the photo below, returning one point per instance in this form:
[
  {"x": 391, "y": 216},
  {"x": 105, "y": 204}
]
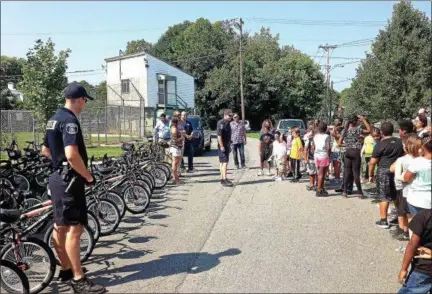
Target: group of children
[{"x": 410, "y": 176}]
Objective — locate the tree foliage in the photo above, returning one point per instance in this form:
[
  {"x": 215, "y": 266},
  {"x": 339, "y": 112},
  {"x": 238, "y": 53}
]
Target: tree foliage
[
  {"x": 394, "y": 81},
  {"x": 137, "y": 46},
  {"x": 10, "y": 70},
  {"x": 44, "y": 79},
  {"x": 278, "y": 81}
]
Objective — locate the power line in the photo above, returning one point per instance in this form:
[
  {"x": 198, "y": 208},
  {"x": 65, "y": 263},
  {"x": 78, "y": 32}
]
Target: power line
[
  {"x": 83, "y": 32},
  {"x": 341, "y": 81},
  {"x": 316, "y": 22}
]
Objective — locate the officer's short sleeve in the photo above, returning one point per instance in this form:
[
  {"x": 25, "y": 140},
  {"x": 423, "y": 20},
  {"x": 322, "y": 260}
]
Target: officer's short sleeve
[{"x": 70, "y": 132}]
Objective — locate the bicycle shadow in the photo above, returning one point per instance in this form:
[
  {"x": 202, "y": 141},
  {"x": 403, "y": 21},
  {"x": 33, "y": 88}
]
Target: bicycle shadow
[{"x": 167, "y": 265}]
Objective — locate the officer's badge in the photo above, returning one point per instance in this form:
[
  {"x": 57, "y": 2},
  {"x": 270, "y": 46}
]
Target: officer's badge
[
  {"x": 71, "y": 128},
  {"x": 51, "y": 124}
]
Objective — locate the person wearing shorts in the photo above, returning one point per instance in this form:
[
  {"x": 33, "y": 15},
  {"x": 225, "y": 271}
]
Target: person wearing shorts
[
  {"x": 310, "y": 162},
  {"x": 385, "y": 153},
  {"x": 176, "y": 148},
  {"x": 224, "y": 145},
  {"x": 322, "y": 156},
  {"x": 64, "y": 145}
]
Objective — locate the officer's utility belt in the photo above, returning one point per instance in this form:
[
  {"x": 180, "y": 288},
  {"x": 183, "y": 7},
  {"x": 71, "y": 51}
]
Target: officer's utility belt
[{"x": 67, "y": 172}]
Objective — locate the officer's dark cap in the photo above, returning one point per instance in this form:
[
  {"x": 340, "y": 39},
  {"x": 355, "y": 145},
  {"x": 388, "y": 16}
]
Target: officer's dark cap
[{"x": 75, "y": 90}]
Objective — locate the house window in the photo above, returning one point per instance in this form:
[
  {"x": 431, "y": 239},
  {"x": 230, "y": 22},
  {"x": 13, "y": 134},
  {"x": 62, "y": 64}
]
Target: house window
[{"x": 125, "y": 86}]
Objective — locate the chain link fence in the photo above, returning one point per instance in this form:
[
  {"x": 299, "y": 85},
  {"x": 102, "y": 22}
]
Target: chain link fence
[
  {"x": 19, "y": 125},
  {"x": 122, "y": 117}
]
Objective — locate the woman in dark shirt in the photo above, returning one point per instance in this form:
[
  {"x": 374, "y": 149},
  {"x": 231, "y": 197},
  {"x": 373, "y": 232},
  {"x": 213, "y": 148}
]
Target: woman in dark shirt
[{"x": 351, "y": 139}]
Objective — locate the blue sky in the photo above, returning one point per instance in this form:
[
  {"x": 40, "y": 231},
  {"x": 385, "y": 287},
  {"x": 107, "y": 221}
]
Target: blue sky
[{"x": 73, "y": 25}]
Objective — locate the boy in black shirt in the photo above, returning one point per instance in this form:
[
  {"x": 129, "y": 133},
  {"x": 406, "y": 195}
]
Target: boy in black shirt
[
  {"x": 418, "y": 253},
  {"x": 265, "y": 149},
  {"x": 385, "y": 153}
]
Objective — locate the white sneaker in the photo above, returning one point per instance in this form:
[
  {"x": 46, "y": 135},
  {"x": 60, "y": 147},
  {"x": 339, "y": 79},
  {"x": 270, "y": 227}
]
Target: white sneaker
[
  {"x": 260, "y": 173},
  {"x": 278, "y": 179}
]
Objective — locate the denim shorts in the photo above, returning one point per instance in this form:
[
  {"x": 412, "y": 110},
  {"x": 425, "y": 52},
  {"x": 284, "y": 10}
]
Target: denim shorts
[
  {"x": 413, "y": 210},
  {"x": 417, "y": 283}
]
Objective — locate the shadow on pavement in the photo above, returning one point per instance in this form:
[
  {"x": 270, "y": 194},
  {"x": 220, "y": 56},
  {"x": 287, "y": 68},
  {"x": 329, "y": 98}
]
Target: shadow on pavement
[{"x": 166, "y": 265}]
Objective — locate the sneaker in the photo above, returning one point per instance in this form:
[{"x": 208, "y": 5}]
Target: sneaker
[
  {"x": 190, "y": 171},
  {"x": 402, "y": 237},
  {"x": 278, "y": 179},
  {"x": 67, "y": 275},
  {"x": 322, "y": 193},
  {"x": 237, "y": 166},
  {"x": 260, "y": 173},
  {"x": 309, "y": 187},
  {"x": 396, "y": 231},
  {"x": 86, "y": 286},
  {"x": 228, "y": 183},
  {"x": 394, "y": 222},
  {"x": 244, "y": 167},
  {"x": 339, "y": 190},
  {"x": 382, "y": 224}
]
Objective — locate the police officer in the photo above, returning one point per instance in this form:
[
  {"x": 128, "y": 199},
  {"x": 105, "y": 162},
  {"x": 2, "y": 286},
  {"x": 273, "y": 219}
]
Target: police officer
[{"x": 64, "y": 144}]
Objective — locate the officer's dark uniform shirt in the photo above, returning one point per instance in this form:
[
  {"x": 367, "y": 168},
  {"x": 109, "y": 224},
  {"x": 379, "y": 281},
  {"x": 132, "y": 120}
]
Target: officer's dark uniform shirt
[
  {"x": 63, "y": 129},
  {"x": 224, "y": 130},
  {"x": 188, "y": 129}
]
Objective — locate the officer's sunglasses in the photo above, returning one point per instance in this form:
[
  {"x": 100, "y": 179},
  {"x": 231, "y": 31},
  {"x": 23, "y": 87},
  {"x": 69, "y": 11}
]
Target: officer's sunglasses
[{"x": 85, "y": 100}]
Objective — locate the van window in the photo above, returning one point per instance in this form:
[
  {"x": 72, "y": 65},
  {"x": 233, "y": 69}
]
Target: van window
[{"x": 285, "y": 124}]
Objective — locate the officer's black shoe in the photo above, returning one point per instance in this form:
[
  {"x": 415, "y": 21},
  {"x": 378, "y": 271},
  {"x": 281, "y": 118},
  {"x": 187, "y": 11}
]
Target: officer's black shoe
[
  {"x": 67, "y": 275},
  {"x": 86, "y": 286}
]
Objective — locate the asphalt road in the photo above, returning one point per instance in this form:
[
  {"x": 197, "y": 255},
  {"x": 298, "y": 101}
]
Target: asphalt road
[{"x": 260, "y": 236}]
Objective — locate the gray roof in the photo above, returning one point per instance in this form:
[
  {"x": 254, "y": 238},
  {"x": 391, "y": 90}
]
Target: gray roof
[{"x": 121, "y": 57}]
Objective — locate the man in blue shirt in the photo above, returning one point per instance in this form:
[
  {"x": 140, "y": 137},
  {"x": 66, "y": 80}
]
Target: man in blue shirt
[
  {"x": 64, "y": 145},
  {"x": 188, "y": 146},
  {"x": 161, "y": 133}
]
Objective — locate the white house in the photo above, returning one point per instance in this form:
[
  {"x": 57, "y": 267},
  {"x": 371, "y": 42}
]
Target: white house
[
  {"x": 142, "y": 80},
  {"x": 19, "y": 95}
]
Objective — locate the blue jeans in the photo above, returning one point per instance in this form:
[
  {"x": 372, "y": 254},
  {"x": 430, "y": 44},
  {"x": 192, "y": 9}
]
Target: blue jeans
[
  {"x": 189, "y": 151},
  {"x": 414, "y": 209},
  {"x": 239, "y": 148},
  {"x": 417, "y": 283}
]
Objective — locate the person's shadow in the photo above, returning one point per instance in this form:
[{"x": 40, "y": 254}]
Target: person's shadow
[{"x": 166, "y": 265}]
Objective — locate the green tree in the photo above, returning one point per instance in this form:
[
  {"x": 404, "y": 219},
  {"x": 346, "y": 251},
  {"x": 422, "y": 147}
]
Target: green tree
[
  {"x": 44, "y": 79},
  {"x": 394, "y": 81},
  {"x": 10, "y": 70},
  {"x": 137, "y": 46}
]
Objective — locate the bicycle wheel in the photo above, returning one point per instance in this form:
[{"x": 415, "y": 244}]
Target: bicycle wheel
[
  {"x": 30, "y": 202},
  {"x": 20, "y": 182},
  {"x": 148, "y": 179},
  {"x": 167, "y": 170},
  {"x": 160, "y": 177},
  {"x": 136, "y": 198},
  {"x": 13, "y": 280},
  {"x": 108, "y": 215},
  {"x": 35, "y": 258},
  {"x": 86, "y": 243},
  {"x": 117, "y": 200},
  {"x": 94, "y": 226}
]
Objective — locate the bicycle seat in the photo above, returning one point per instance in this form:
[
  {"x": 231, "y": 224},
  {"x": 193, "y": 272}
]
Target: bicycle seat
[
  {"x": 9, "y": 216},
  {"x": 127, "y": 146},
  {"x": 103, "y": 169}
]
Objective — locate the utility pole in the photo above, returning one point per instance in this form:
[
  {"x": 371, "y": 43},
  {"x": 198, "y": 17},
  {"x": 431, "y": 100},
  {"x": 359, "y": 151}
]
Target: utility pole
[
  {"x": 327, "y": 49},
  {"x": 239, "y": 24}
]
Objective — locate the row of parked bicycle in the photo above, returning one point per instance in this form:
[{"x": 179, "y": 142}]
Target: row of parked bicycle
[{"x": 127, "y": 183}]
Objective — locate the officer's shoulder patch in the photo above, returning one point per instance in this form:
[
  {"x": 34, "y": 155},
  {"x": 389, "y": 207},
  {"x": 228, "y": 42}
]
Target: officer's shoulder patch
[
  {"x": 71, "y": 128},
  {"x": 51, "y": 124}
]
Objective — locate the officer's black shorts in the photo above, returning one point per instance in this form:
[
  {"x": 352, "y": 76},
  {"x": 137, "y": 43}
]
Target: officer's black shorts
[
  {"x": 224, "y": 156},
  {"x": 69, "y": 208}
]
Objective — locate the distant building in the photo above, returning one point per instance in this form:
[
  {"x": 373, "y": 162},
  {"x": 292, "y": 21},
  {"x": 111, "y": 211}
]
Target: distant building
[
  {"x": 142, "y": 80},
  {"x": 19, "y": 95}
]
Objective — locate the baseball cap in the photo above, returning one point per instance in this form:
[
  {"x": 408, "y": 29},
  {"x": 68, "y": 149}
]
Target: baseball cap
[{"x": 75, "y": 90}]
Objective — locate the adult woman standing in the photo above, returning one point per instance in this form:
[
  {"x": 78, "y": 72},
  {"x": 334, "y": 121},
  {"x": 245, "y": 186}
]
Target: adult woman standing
[
  {"x": 267, "y": 123},
  {"x": 176, "y": 148},
  {"x": 351, "y": 139}
]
